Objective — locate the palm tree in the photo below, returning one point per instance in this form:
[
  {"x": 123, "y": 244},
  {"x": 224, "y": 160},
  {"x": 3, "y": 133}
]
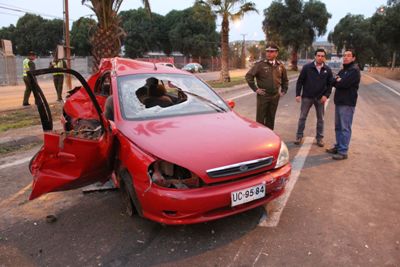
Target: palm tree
[
  {"x": 228, "y": 10},
  {"x": 106, "y": 39}
]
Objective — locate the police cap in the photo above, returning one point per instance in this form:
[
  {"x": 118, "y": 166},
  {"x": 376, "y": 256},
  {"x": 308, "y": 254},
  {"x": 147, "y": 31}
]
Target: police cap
[{"x": 271, "y": 47}]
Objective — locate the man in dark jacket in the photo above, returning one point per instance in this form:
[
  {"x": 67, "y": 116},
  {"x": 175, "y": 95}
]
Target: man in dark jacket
[
  {"x": 272, "y": 83},
  {"x": 315, "y": 80},
  {"x": 346, "y": 83}
]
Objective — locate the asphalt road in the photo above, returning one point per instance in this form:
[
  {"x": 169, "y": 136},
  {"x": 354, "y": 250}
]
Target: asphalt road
[{"x": 339, "y": 213}]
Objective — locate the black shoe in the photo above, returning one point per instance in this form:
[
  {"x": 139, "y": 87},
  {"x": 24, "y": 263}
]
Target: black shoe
[
  {"x": 299, "y": 141},
  {"x": 339, "y": 156},
  {"x": 332, "y": 150},
  {"x": 26, "y": 104},
  {"x": 320, "y": 143}
]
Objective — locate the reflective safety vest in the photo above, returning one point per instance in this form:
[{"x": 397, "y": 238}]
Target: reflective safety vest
[
  {"x": 60, "y": 65},
  {"x": 25, "y": 66}
]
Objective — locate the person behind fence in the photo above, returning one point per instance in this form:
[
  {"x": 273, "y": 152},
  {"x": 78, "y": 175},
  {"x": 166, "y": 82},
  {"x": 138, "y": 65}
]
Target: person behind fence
[
  {"x": 346, "y": 83},
  {"x": 58, "y": 77},
  {"x": 28, "y": 65},
  {"x": 272, "y": 83},
  {"x": 313, "y": 88}
]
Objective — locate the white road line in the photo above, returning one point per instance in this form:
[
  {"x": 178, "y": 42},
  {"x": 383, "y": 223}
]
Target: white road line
[
  {"x": 279, "y": 204},
  {"x": 242, "y": 95},
  {"x": 251, "y": 92},
  {"x": 384, "y": 85},
  {"x": 17, "y": 162}
]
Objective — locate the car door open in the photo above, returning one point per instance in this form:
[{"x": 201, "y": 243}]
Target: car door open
[{"x": 81, "y": 153}]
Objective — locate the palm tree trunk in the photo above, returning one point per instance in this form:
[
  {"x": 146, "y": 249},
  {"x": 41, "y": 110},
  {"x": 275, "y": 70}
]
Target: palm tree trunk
[
  {"x": 225, "y": 50},
  {"x": 293, "y": 59}
]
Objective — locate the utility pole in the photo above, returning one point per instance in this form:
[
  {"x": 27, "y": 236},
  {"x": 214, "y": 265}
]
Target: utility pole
[
  {"x": 67, "y": 46},
  {"x": 244, "y": 51}
]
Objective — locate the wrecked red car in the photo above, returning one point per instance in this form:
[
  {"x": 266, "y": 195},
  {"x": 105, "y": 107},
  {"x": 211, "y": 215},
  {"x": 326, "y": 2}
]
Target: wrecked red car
[{"x": 178, "y": 152}]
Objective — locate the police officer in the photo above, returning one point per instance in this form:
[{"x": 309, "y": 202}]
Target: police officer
[
  {"x": 58, "y": 77},
  {"x": 271, "y": 83},
  {"x": 28, "y": 65}
]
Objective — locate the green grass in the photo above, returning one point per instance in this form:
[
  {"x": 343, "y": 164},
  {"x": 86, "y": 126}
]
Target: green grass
[
  {"x": 238, "y": 80},
  {"x": 24, "y": 117},
  {"x": 9, "y": 149},
  {"x": 234, "y": 81}
]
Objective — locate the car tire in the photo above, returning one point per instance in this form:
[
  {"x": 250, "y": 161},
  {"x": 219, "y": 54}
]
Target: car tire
[{"x": 129, "y": 199}]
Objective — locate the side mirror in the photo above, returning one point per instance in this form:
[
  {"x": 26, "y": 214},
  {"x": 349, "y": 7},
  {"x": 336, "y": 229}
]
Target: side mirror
[{"x": 230, "y": 103}]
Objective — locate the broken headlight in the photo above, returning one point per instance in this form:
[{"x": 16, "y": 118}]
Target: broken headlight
[{"x": 170, "y": 175}]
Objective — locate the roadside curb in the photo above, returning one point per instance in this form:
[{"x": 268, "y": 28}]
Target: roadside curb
[{"x": 11, "y": 143}]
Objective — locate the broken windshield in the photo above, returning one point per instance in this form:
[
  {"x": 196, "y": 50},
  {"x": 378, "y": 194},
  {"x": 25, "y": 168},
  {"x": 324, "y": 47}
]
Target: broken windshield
[{"x": 147, "y": 96}]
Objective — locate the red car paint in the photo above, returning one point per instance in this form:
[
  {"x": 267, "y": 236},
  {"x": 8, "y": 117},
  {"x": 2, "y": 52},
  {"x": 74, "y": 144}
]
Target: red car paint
[{"x": 197, "y": 142}]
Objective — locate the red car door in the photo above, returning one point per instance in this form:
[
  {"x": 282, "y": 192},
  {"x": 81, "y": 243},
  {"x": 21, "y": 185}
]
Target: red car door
[{"x": 82, "y": 153}]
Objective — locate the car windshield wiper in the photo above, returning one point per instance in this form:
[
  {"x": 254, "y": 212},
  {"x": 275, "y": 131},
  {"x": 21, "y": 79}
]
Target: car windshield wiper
[{"x": 206, "y": 100}]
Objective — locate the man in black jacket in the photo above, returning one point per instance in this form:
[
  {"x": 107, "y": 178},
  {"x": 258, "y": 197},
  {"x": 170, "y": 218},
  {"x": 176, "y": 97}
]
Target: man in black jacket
[
  {"x": 346, "y": 83},
  {"x": 315, "y": 80}
]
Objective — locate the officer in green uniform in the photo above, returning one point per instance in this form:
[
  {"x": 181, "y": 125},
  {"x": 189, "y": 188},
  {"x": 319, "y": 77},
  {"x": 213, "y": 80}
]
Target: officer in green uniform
[
  {"x": 28, "y": 65},
  {"x": 58, "y": 77},
  {"x": 271, "y": 83}
]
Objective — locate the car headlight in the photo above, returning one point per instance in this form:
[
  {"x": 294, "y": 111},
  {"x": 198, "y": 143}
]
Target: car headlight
[
  {"x": 170, "y": 175},
  {"x": 283, "y": 157}
]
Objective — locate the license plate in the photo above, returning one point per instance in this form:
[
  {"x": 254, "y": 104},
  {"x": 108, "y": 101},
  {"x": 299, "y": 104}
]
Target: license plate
[{"x": 247, "y": 194}]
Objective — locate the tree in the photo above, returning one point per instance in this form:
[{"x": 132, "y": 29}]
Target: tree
[
  {"x": 294, "y": 24},
  {"x": 33, "y": 33},
  {"x": 106, "y": 39},
  {"x": 385, "y": 24},
  {"x": 353, "y": 32},
  {"x": 80, "y": 36},
  {"x": 142, "y": 32},
  {"x": 254, "y": 52},
  {"x": 229, "y": 10},
  {"x": 192, "y": 31}
]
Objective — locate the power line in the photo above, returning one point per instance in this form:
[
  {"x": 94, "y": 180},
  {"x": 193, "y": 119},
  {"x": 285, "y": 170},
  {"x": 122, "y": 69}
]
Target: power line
[{"x": 22, "y": 10}]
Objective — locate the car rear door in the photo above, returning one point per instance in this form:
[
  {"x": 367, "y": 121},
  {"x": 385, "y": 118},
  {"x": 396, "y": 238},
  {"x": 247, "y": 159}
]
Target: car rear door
[{"x": 79, "y": 155}]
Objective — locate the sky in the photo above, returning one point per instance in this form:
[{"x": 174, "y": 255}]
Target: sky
[{"x": 250, "y": 27}]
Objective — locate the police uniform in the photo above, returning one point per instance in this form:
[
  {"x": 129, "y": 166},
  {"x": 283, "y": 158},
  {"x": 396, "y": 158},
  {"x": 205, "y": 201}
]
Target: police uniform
[
  {"x": 270, "y": 76},
  {"x": 27, "y": 65},
  {"x": 58, "y": 77}
]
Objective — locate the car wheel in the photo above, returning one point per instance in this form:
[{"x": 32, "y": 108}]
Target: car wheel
[{"x": 129, "y": 198}]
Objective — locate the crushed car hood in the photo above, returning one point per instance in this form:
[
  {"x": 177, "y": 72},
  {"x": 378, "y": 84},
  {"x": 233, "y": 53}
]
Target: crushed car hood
[{"x": 202, "y": 142}]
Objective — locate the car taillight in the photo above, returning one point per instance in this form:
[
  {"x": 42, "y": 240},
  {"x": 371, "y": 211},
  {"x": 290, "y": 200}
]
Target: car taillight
[{"x": 170, "y": 175}]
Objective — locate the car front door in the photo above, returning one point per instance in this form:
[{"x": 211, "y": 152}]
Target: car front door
[{"x": 81, "y": 153}]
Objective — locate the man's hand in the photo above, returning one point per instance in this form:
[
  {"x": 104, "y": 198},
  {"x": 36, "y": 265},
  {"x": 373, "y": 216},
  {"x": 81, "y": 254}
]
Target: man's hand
[
  {"x": 282, "y": 93},
  {"x": 260, "y": 91},
  {"x": 298, "y": 99},
  {"x": 323, "y": 99}
]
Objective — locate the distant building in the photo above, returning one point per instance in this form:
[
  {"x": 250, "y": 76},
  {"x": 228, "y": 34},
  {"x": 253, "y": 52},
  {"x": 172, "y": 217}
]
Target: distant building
[{"x": 327, "y": 46}]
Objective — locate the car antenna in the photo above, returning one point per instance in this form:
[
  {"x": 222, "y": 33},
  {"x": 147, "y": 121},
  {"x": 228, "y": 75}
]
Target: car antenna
[{"x": 155, "y": 67}]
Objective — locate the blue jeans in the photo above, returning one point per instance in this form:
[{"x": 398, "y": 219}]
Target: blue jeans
[
  {"x": 343, "y": 121},
  {"x": 306, "y": 104}
]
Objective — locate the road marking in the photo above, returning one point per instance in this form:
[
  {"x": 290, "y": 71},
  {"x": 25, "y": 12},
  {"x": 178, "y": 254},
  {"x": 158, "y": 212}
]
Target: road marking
[
  {"x": 384, "y": 85},
  {"x": 17, "y": 162},
  {"x": 251, "y": 92},
  {"x": 279, "y": 204}
]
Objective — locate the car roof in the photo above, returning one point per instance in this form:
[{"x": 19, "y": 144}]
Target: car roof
[{"x": 124, "y": 66}]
